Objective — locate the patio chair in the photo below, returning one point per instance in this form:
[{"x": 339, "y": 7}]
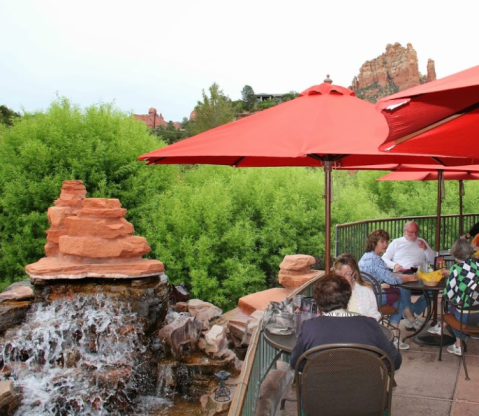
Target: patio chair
[
  {"x": 386, "y": 310},
  {"x": 344, "y": 379},
  {"x": 468, "y": 304}
]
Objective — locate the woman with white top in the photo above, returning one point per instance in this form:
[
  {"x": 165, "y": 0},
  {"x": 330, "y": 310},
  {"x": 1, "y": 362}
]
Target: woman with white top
[{"x": 363, "y": 300}]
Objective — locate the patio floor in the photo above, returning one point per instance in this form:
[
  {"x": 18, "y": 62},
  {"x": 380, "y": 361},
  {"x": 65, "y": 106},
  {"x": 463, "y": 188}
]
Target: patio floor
[{"x": 426, "y": 386}]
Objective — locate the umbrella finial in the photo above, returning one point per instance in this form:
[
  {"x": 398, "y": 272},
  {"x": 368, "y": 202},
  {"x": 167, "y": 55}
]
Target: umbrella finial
[{"x": 328, "y": 80}]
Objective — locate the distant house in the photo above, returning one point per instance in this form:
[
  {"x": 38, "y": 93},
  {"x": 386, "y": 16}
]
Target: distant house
[
  {"x": 153, "y": 120},
  {"x": 266, "y": 97}
]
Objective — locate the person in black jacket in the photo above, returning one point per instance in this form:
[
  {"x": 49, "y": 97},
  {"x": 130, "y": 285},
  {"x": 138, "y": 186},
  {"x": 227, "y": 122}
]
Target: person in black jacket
[
  {"x": 335, "y": 325},
  {"x": 472, "y": 232}
]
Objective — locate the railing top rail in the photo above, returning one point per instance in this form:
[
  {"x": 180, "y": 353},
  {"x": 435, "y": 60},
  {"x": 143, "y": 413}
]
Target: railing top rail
[{"x": 409, "y": 217}]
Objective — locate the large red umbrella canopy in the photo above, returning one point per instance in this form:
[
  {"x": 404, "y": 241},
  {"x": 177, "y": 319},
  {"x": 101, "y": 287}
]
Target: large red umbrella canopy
[
  {"x": 437, "y": 118},
  {"x": 325, "y": 126}
]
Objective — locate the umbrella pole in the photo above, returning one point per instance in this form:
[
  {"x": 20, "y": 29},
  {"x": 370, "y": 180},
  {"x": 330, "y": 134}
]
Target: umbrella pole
[
  {"x": 327, "y": 228},
  {"x": 438, "y": 216},
  {"x": 461, "y": 193}
]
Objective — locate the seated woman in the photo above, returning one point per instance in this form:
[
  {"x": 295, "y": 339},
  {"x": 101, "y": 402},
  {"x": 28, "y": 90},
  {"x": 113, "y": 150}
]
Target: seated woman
[
  {"x": 335, "y": 325},
  {"x": 462, "y": 275},
  {"x": 363, "y": 300},
  {"x": 372, "y": 263}
]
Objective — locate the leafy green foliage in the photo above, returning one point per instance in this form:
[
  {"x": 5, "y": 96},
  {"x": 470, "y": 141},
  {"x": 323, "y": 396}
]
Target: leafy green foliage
[
  {"x": 374, "y": 91},
  {"x": 225, "y": 231},
  {"x": 215, "y": 110},
  {"x": 170, "y": 134},
  {"x": 8, "y": 116},
  {"x": 265, "y": 104},
  {"x": 248, "y": 98},
  {"x": 289, "y": 96},
  {"x": 99, "y": 145}
]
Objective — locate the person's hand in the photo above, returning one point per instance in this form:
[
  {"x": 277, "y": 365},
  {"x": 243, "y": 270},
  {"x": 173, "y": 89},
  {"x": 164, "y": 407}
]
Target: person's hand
[
  {"x": 397, "y": 267},
  {"x": 421, "y": 244},
  {"x": 444, "y": 272},
  {"x": 413, "y": 278}
]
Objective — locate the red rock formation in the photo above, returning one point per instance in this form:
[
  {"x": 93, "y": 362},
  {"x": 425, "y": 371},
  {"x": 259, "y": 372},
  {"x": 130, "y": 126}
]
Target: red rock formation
[
  {"x": 431, "y": 71},
  {"x": 153, "y": 120},
  {"x": 295, "y": 270},
  {"x": 89, "y": 237},
  {"x": 394, "y": 70}
]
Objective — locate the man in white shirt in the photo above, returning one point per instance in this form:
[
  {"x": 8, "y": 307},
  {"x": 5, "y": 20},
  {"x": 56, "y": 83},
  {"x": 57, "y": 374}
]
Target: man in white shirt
[{"x": 406, "y": 252}]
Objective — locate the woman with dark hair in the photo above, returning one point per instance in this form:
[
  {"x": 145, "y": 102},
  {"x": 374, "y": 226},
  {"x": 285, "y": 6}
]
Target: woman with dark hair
[
  {"x": 335, "y": 325},
  {"x": 463, "y": 274},
  {"x": 372, "y": 263},
  {"x": 363, "y": 300}
]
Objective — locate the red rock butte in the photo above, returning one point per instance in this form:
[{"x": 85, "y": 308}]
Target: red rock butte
[{"x": 89, "y": 237}]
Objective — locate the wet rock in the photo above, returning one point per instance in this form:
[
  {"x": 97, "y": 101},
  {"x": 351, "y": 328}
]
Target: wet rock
[
  {"x": 184, "y": 330},
  {"x": 253, "y": 322},
  {"x": 215, "y": 342},
  {"x": 13, "y": 313},
  {"x": 203, "y": 311},
  {"x": 18, "y": 291},
  {"x": 8, "y": 398}
]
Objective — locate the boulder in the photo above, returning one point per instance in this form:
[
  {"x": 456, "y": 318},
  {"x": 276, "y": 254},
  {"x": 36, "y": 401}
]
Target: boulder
[{"x": 203, "y": 311}]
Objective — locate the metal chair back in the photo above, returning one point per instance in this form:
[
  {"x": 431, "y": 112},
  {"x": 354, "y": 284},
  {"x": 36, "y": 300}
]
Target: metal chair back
[
  {"x": 344, "y": 379},
  {"x": 467, "y": 307}
]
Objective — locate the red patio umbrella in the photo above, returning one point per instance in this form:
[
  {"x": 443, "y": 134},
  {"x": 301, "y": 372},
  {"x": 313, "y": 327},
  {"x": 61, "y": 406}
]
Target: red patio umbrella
[
  {"x": 325, "y": 126},
  {"x": 437, "y": 118}
]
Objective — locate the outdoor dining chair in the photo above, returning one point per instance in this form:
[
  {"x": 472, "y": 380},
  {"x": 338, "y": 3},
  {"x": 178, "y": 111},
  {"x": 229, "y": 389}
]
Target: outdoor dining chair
[
  {"x": 344, "y": 379},
  {"x": 468, "y": 304},
  {"x": 386, "y": 310}
]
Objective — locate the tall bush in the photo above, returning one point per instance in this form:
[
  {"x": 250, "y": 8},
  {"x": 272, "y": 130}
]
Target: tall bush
[
  {"x": 225, "y": 231},
  {"x": 99, "y": 145}
]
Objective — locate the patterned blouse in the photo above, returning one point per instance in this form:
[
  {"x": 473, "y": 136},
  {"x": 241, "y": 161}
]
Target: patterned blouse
[
  {"x": 374, "y": 265},
  {"x": 462, "y": 276}
]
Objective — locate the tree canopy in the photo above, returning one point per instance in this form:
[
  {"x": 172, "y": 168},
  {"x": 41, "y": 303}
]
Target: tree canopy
[
  {"x": 214, "y": 110},
  {"x": 8, "y": 116},
  {"x": 248, "y": 98}
]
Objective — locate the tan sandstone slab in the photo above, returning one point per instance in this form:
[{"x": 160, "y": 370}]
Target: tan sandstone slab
[
  {"x": 94, "y": 247},
  {"x": 260, "y": 300},
  {"x": 297, "y": 262},
  {"x": 49, "y": 268}
]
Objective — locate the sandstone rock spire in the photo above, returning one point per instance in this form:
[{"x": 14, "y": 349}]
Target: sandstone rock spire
[{"x": 89, "y": 237}]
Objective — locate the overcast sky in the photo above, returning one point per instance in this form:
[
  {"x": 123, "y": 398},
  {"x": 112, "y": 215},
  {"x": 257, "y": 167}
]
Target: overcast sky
[{"x": 156, "y": 53}]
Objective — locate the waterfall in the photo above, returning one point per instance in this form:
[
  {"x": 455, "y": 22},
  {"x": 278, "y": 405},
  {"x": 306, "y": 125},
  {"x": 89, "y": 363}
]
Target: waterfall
[{"x": 87, "y": 355}]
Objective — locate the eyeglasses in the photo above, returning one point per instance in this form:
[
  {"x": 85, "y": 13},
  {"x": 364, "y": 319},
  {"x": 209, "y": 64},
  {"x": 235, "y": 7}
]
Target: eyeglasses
[
  {"x": 412, "y": 232},
  {"x": 347, "y": 274}
]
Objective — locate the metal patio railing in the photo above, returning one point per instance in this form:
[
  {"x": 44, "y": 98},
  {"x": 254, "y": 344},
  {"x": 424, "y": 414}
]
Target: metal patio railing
[
  {"x": 260, "y": 359},
  {"x": 351, "y": 237}
]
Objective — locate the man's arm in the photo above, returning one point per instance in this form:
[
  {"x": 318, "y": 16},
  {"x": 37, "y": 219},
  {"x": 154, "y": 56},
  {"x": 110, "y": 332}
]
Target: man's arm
[
  {"x": 389, "y": 255},
  {"x": 430, "y": 255}
]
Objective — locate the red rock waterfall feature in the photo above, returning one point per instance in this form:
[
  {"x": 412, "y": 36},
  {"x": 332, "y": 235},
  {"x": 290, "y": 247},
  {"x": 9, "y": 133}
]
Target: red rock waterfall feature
[{"x": 89, "y": 237}]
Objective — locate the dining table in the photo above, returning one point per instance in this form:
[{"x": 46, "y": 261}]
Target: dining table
[
  {"x": 286, "y": 343},
  {"x": 431, "y": 295}
]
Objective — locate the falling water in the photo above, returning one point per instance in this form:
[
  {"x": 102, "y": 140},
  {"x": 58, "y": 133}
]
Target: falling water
[{"x": 87, "y": 356}]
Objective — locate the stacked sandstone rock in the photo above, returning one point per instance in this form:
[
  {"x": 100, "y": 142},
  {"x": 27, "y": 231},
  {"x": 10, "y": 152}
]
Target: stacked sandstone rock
[{"x": 89, "y": 237}]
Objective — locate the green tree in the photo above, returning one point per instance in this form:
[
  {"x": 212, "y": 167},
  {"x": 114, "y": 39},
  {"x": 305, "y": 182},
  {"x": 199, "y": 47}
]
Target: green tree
[
  {"x": 7, "y": 116},
  {"x": 99, "y": 145},
  {"x": 169, "y": 133},
  {"x": 289, "y": 96},
  {"x": 248, "y": 98},
  {"x": 215, "y": 110}
]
